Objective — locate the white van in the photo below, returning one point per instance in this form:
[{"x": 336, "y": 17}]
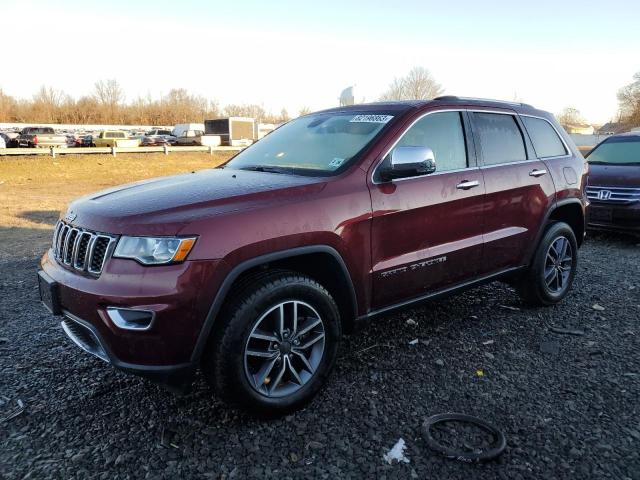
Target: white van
[{"x": 180, "y": 129}]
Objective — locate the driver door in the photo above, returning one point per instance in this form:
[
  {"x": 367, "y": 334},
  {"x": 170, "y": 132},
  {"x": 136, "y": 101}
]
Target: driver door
[{"x": 427, "y": 229}]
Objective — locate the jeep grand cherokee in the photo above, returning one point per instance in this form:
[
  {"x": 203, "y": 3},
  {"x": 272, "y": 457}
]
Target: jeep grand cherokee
[{"x": 252, "y": 271}]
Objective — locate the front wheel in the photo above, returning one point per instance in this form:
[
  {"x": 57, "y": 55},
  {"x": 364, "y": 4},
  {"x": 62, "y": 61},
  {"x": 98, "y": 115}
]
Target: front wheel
[
  {"x": 553, "y": 268},
  {"x": 276, "y": 344}
]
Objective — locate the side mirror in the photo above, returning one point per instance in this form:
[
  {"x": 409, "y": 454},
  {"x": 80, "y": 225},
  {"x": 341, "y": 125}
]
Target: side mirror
[{"x": 410, "y": 162}]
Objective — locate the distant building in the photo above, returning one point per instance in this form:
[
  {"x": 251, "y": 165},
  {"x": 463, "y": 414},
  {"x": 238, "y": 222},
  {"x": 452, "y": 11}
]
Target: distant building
[
  {"x": 582, "y": 129},
  {"x": 611, "y": 128}
]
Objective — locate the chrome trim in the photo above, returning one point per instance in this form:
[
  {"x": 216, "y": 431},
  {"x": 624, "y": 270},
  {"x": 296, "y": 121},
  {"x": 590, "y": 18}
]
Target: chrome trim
[
  {"x": 107, "y": 250},
  {"x": 537, "y": 173},
  {"x": 616, "y": 195},
  {"x": 517, "y": 162},
  {"x": 68, "y": 246},
  {"x": 99, "y": 352},
  {"x": 466, "y": 185},
  {"x": 120, "y": 322},
  {"x": 495, "y": 110},
  {"x": 63, "y": 248}
]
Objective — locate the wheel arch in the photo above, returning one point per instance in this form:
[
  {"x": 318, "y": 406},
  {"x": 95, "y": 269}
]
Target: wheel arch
[
  {"x": 321, "y": 262},
  {"x": 571, "y": 212}
]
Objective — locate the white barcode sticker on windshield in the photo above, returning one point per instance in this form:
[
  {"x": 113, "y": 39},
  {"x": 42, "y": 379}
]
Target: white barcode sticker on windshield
[
  {"x": 336, "y": 162},
  {"x": 371, "y": 118}
]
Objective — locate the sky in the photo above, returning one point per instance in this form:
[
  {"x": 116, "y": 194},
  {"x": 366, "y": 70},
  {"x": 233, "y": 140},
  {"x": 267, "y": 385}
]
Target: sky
[{"x": 295, "y": 54}]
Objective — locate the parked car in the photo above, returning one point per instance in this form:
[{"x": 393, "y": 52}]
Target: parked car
[
  {"x": 254, "y": 270},
  {"x": 40, "y": 137},
  {"x": 86, "y": 141},
  {"x": 197, "y": 137},
  {"x": 614, "y": 184},
  {"x": 154, "y": 141},
  {"x": 73, "y": 140},
  {"x": 166, "y": 135},
  {"x": 114, "y": 138}
]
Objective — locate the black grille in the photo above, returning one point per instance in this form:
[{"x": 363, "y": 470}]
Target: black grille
[
  {"x": 81, "y": 255},
  {"x": 70, "y": 243},
  {"x": 99, "y": 252},
  {"x": 81, "y": 249}
]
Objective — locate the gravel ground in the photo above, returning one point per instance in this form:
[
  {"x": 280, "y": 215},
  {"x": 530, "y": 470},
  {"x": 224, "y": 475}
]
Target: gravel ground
[{"x": 568, "y": 404}]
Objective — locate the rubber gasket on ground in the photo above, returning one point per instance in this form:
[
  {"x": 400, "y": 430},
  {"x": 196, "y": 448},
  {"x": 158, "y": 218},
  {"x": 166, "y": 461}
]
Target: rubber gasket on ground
[{"x": 498, "y": 446}]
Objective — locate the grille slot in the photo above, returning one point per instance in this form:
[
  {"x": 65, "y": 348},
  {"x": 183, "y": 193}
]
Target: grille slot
[
  {"x": 80, "y": 258},
  {"x": 99, "y": 253},
  {"x": 616, "y": 195},
  {"x": 81, "y": 249}
]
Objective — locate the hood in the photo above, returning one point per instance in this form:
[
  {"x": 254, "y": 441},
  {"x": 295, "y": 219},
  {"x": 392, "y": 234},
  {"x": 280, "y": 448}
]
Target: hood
[
  {"x": 614, "y": 176},
  {"x": 163, "y": 206}
]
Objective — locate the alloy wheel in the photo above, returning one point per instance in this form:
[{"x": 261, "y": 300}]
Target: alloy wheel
[
  {"x": 284, "y": 349},
  {"x": 558, "y": 265}
]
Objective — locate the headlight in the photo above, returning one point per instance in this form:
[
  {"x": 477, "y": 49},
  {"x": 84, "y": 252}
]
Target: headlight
[{"x": 154, "y": 251}]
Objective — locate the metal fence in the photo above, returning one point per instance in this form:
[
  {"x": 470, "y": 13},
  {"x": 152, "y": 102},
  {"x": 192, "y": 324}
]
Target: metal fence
[{"x": 55, "y": 151}]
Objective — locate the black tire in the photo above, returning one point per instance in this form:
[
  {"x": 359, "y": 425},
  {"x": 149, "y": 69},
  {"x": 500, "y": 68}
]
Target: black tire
[
  {"x": 533, "y": 287},
  {"x": 224, "y": 364}
]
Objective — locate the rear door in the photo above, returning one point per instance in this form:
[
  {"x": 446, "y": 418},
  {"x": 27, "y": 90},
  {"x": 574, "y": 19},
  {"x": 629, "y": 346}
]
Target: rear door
[
  {"x": 427, "y": 230},
  {"x": 519, "y": 189}
]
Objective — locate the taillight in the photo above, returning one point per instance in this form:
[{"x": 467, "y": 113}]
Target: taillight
[{"x": 35, "y": 139}]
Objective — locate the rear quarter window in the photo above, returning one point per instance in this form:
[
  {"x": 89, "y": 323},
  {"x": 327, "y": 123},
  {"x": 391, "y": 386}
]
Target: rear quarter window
[{"x": 544, "y": 137}]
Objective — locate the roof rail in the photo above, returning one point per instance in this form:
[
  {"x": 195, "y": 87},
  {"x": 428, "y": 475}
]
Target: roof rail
[{"x": 449, "y": 98}]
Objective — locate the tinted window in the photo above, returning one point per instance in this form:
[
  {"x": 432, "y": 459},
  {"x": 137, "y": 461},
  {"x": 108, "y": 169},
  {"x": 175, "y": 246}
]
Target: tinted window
[
  {"x": 617, "y": 151},
  {"x": 443, "y": 133},
  {"x": 546, "y": 141},
  {"x": 500, "y": 138}
]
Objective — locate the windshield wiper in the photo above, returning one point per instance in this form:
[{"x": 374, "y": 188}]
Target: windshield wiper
[{"x": 268, "y": 169}]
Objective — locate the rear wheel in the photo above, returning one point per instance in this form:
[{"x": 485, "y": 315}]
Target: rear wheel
[
  {"x": 551, "y": 273},
  {"x": 277, "y": 343}
]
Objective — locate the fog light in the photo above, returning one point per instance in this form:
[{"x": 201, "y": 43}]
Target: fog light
[{"x": 131, "y": 319}]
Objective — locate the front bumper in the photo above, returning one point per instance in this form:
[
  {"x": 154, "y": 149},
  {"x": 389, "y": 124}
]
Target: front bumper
[
  {"x": 179, "y": 296},
  {"x": 614, "y": 217},
  {"x": 84, "y": 335}
]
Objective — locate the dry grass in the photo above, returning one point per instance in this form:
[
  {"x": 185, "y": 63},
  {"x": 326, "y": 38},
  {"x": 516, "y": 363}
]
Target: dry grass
[{"x": 33, "y": 190}]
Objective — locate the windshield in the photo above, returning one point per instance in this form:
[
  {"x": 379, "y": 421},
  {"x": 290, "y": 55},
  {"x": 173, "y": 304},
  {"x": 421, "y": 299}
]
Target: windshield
[
  {"x": 617, "y": 151},
  {"x": 320, "y": 144}
]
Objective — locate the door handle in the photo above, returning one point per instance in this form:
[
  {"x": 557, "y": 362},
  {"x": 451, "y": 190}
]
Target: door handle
[
  {"x": 537, "y": 173},
  {"x": 466, "y": 184}
]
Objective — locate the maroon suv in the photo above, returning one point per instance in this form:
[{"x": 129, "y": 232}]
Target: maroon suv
[
  {"x": 254, "y": 270},
  {"x": 614, "y": 184}
]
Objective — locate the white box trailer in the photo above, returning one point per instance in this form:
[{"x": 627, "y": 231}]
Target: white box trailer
[
  {"x": 180, "y": 129},
  {"x": 233, "y": 131}
]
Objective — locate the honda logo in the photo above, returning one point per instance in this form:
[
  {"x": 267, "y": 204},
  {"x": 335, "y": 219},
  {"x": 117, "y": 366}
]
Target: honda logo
[{"x": 604, "y": 194}]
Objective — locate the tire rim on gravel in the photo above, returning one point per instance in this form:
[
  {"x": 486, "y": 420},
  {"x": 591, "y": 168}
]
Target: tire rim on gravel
[
  {"x": 284, "y": 349},
  {"x": 495, "y": 449},
  {"x": 558, "y": 264}
]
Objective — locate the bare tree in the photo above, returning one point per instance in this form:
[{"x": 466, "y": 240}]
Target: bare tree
[
  {"x": 418, "y": 84},
  {"x": 254, "y": 111},
  {"x": 46, "y": 105},
  {"x": 304, "y": 111},
  {"x": 8, "y": 107},
  {"x": 110, "y": 95},
  {"x": 570, "y": 116},
  {"x": 629, "y": 101}
]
